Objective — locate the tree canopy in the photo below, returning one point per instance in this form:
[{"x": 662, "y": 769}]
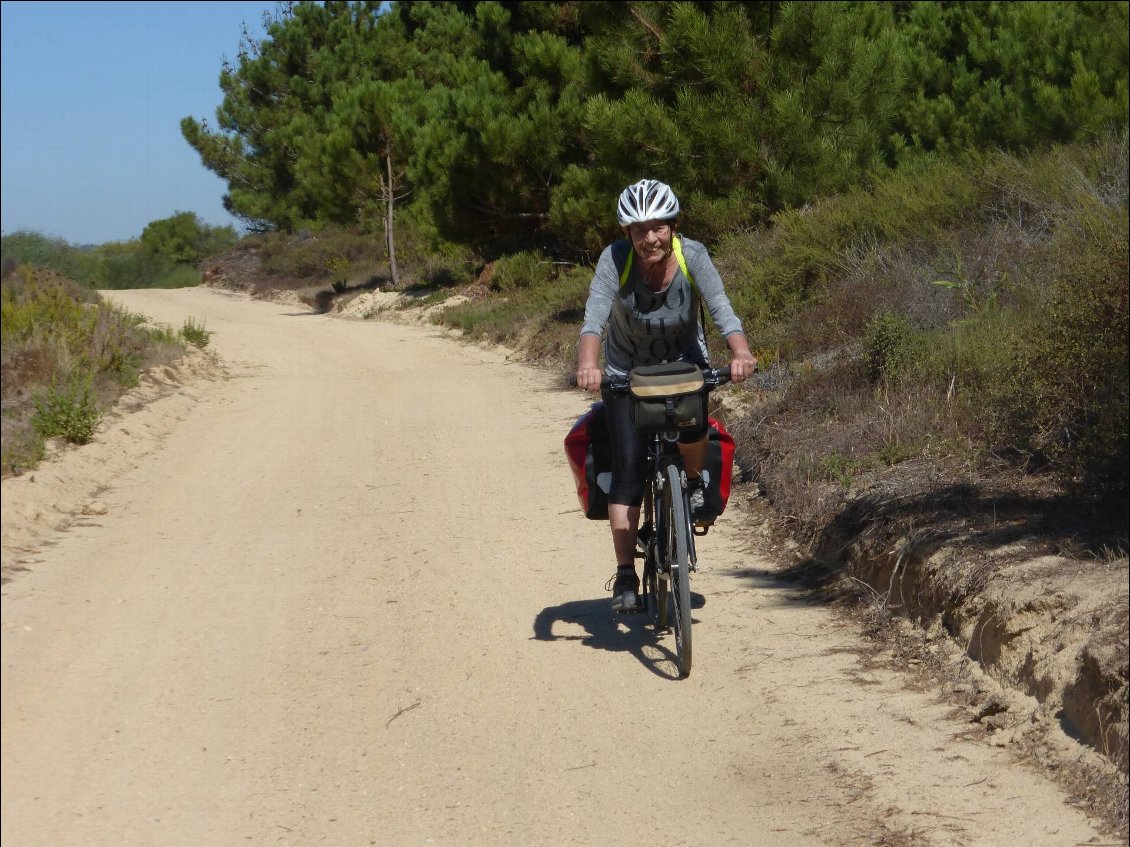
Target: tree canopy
[{"x": 516, "y": 123}]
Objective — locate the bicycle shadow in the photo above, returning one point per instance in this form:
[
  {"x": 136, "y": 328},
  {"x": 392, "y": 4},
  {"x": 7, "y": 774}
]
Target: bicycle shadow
[{"x": 604, "y": 629}]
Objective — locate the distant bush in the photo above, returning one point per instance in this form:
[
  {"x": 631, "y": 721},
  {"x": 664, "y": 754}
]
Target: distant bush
[
  {"x": 33, "y": 248},
  {"x": 315, "y": 256},
  {"x": 127, "y": 266},
  {"x": 179, "y": 276},
  {"x": 528, "y": 269},
  {"x": 341, "y": 259},
  {"x": 345, "y": 259},
  {"x": 113, "y": 265},
  {"x": 183, "y": 239},
  {"x": 772, "y": 272},
  {"x": 424, "y": 256}
]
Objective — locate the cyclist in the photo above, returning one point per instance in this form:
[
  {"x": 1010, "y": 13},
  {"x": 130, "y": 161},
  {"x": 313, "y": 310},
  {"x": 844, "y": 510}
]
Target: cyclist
[{"x": 651, "y": 316}]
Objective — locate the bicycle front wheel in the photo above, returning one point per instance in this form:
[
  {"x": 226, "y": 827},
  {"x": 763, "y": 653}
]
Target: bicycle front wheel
[
  {"x": 654, "y": 585},
  {"x": 676, "y": 565}
]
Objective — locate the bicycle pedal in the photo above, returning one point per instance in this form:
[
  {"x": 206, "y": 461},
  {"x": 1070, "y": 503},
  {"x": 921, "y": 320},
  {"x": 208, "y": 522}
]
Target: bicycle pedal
[{"x": 700, "y": 529}]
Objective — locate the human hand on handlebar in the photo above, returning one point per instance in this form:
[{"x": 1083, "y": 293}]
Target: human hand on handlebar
[
  {"x": 742, "y": 367},
  {"x": 588, "y": 379}
]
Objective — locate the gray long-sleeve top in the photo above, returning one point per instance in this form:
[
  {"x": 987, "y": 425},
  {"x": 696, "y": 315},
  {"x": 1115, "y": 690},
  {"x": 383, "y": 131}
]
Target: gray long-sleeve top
[{"x": 644, "y": 327}]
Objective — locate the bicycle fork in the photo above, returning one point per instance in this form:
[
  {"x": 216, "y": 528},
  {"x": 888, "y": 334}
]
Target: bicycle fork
[{"x": 692, "y": 556}]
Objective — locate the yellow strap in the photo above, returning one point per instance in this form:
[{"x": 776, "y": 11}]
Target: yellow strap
[{"x": 676, "y": 248}]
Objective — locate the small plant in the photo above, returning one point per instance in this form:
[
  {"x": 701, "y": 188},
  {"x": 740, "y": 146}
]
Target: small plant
[
  {"x": 69, "y": 412},
  {"x": 163, "y": 334},
  {"x": 195, "y": 334},
  {"x": 973, "y": 300},
  {"x": 338, "y": 267},
  {"x": 841, "y": 469},
  {"x": 889, "y": 342}
]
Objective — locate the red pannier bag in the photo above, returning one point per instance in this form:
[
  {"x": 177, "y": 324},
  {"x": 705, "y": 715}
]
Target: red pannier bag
[
  {"x": 717, "y": 471},
  {"x": 589, "y": 451}
]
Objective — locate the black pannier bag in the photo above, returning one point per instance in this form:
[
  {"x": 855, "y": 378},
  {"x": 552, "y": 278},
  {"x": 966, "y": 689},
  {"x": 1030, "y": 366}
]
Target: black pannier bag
[{"x": 668, "y": 395}]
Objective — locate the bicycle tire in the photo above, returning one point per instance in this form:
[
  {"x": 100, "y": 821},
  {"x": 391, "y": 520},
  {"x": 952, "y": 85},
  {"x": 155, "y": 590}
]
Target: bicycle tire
[{"x": 677, "y": 563}]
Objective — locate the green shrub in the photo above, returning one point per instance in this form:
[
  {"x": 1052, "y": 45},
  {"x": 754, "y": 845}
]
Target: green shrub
[
  {"x": 770, "y": 272},
  {"x": 522, "y": 270},
  {"x": 68, "y": 412},
  {"x": 129, "y": 265},
  {"x": 35, "y": 304},
  {"x": 556, "y": 308},
  {"x": 65, "y": 355},
  {"x": 890, "y": 345},
  {"x": 1066, "y": 393},
  {"x": 971, "y": 358},
  {"x": 195, "y": 334},
  {"x": 21, "y": 446},
  {"x": 179, "y": 276},
  {"x": 842, "y": 469},
  {"x": 324, "y": 256}
]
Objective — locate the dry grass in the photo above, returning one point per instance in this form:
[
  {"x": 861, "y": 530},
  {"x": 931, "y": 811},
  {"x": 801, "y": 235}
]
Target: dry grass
[{"x": 66, "y": 357}]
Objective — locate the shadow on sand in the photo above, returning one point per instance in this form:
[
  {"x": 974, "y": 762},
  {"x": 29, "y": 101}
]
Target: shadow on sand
[{"x": 604, "y": 629}]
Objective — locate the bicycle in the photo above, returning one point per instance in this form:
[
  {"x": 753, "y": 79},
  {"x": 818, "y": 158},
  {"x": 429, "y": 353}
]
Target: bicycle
[{"x": 665, "y": 539}]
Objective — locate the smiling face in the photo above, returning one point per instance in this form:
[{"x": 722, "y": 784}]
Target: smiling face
[{"x": 651, "y": 240}]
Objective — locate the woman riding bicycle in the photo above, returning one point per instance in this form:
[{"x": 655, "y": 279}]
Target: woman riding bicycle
[{"x": 647, "y": 311}]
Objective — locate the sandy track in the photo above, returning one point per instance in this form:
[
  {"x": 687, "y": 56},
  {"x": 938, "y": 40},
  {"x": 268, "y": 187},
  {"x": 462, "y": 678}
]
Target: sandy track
[{"x": 349, "y": 600}]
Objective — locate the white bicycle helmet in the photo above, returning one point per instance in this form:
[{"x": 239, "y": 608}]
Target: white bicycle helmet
[{"x": 647, "y": 200}]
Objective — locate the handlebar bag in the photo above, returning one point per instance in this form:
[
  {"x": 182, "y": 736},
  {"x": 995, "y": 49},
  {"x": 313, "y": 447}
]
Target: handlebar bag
[
  {"x": 589, "y": 451},
  {"x": 666, "y": 397}
]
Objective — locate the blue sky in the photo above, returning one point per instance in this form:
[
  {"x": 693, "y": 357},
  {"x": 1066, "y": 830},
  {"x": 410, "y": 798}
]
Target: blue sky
[{"x": 92, "y": 98}]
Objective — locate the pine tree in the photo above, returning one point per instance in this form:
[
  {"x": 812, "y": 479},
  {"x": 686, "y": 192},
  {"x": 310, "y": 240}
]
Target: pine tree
[{"x": 1012, "y": 75}]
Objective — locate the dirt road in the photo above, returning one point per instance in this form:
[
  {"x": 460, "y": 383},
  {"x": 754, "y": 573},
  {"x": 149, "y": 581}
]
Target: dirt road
[{"x": 348, "y": 599}]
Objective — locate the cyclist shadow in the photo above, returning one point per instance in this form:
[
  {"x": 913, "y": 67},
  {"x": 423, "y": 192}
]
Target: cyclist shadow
[{"x": 604, "y": 629}]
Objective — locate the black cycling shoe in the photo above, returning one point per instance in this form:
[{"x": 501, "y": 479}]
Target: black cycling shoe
[{"x": 625, "y": 590}]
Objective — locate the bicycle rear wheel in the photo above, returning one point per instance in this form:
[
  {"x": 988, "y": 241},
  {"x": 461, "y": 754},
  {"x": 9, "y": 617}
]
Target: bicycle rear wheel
[{"x": 676, "y": 564}]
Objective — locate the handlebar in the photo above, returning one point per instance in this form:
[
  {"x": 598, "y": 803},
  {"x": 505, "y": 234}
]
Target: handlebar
[{"x": 712, "y": 377}]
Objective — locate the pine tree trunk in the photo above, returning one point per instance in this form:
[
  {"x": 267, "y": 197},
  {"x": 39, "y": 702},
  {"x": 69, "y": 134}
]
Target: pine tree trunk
[{"x": 393, "y": 273}]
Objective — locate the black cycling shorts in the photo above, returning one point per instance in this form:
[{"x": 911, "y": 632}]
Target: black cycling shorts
[{"x": 629, "y": 452}]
